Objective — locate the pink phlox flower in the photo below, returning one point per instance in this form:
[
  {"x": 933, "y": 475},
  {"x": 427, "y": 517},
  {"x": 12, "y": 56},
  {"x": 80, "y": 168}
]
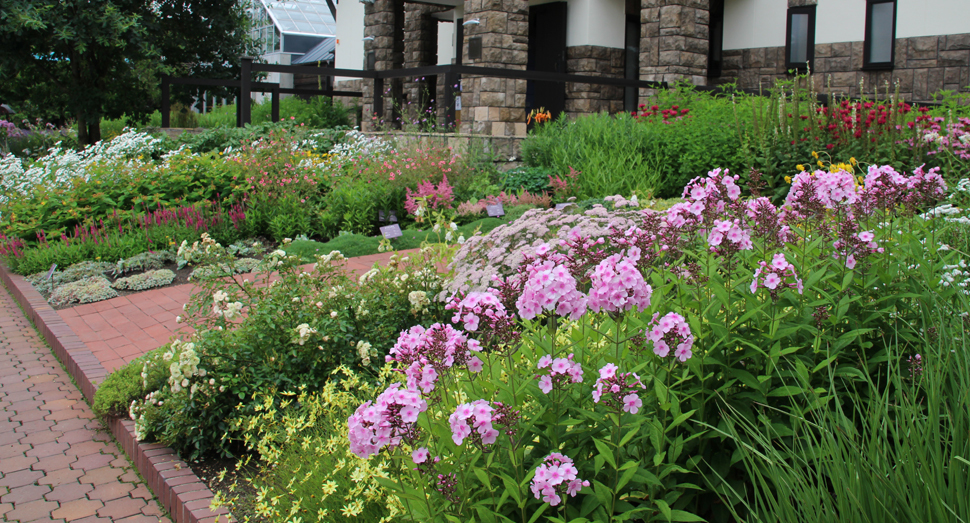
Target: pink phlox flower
[
  {"x": 613, "y": 387},
  {"x": 420, "y": 455},
  {"x": 555, "y": 477},
  {"x": 632, "y": 403},
  {"x": 550, "y": 287},
  {"x": 427, "y": 353},
  {"x": 617, "y": 285},
  {"x": 473, "y": 420},
  {"x": 672, "y": 330},
  {"x": 389, "y": 419},
  {"x": 561, "y": 371}
]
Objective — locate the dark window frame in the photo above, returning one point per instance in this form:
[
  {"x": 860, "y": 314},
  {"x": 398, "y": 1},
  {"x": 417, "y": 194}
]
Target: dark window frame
[
  {"x": 800, "y": 67},
  {"x": 715, "y": 52},
  {"x": 867, "y": 64}
]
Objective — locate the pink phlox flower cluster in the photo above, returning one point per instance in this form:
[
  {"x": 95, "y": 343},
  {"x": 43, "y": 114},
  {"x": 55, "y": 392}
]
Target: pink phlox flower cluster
[
  {"x": 617, "y": 284},
  {"x": 561, "y": 370},
  {"x": 732, "y": 231},
  {"x": 671, "y": 331},
  {"x": 471, "y": 309},
  {"x": 473, "y": 419},
  {"x": 831, "y": 189},
  {"x": 852, "y": 247},
  {"x": 390, "y": 418},
  {"x": 427, "y": 353},
  {"x": 777, "y": 275},
  {"x": 925, "y": 188},
  {"x": 556, "y": 477},
  {"x": 436, "y": 196},
  {"x": 765, "y": 222},
  {"x": 618, "y": 389},
  {"x": 550, "y": 287}
]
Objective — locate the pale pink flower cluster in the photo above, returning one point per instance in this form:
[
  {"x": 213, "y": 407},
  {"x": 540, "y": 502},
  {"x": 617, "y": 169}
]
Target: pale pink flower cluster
[
  {"x": 617, "y": 284},
  {"x": 470, "y": 309},
  {"x": 704, "y": 198},
  {"x": 671, "y": 331},
  {"x": 561, "y": 370},
  {"x": 831, "y": 189},
  {"x": 473, "y": 419},
  {"x": 861, "y": 243},
  {"x": 556, "y": 477},
  {"x": 391, "y": 417},
  {"x": 427, "y": 353},
  {"x": 778, "y": 275},
  {"x": 618, "y": 390},
  {"x": 733, "y": 232},
  {"x": 550, "y": 287}
]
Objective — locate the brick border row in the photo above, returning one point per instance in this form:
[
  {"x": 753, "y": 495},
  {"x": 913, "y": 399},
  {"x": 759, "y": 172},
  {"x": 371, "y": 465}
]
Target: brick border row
[{"x": 173, "y": 482}]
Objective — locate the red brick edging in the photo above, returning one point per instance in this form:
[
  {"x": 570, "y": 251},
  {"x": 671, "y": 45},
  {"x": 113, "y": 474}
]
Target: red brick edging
[{"x": 172, "y": 481}]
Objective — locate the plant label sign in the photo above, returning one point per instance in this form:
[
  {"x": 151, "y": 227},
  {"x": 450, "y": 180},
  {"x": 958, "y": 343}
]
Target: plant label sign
[
  {"x": 50, "y": 273},
  {"x": 561, "y": 206},
  {"x": 495, "y": 211},
  {"x": 391, "y": 231}
]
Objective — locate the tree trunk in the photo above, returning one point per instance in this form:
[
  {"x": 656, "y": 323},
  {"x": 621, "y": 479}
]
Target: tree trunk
[
  {"x": 94, "y": 131},
  {"x": 82, "y": 130}
]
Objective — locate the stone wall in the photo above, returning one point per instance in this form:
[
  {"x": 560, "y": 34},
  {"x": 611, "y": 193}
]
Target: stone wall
[
  {"x": 923, "y": 66},
  {"x": 591, "y": 60},
  {"x": 420, "y": 49},
  {"x": 384, "y": 20},
  {"x": 496, "y": 106},
  {"x": 674, "y": 41}
]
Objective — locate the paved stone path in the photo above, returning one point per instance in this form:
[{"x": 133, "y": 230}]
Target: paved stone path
[
  {"x": 57, "y": 462},
  {"x": 121, "y": 329}
]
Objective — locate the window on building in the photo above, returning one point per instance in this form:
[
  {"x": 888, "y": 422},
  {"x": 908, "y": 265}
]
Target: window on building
[
  {"x": 879, "y": 52},
  {"x": 715, "y": 59},
  {"x": 800, "y": 42}
]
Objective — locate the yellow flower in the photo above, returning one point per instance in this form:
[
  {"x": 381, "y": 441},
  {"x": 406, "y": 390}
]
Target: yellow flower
[
  {"x": 800, "y": 167},
  {"x": 853, "y": 161},
  {"x": 788, "y": 179},
  {"x": 352, "y": 509},
  {"x": 820, "y": 164},
  {"x": 815, "y": 155}
]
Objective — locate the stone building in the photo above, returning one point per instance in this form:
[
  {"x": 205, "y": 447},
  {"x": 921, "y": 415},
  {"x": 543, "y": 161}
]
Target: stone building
[{"x": 917, "y": 46}]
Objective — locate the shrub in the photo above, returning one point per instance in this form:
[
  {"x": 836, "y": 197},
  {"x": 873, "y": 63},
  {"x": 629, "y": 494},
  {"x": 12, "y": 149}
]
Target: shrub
[
  {"x": 86, "y": 290},
  {"x": 145, "y": 280},
  {"x": 129, "y": 383},
  {"x": 532, "y": 179},
  {"x": 718, "y": 305}
]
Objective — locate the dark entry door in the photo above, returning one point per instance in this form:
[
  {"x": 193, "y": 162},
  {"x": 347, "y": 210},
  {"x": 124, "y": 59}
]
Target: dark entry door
[{"x": 547, "y": 52}]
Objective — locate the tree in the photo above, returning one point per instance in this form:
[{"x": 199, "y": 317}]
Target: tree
[{"x": 88, "y": 59}]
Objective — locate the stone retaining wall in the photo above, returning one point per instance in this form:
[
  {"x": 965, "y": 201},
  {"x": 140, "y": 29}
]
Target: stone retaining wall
[{"x": 591, "y": 60}]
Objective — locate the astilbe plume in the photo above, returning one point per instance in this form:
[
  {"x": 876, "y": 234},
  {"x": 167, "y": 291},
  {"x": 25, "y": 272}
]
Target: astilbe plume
[
  {"x": 561, "y": 371},
  {"x": 671, "y": 331},
  {"x": 779, "y": 274},
  {"x": 391, "y": 419},
  {"x": 435, "y": 196},
  {"x": 426, "y": 354},
  {"x": 556, "y": 477},
  {"x": 618, "y": 390}
]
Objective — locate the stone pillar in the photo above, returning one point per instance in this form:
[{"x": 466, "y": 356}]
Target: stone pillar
[
  {"x": 674, "y": 42},
  {"x": 495, "y": 106},
  {"x": 384, "y": 20},
  {"x": 420, "y": 49},
  {"x": 594, "y": 60}
]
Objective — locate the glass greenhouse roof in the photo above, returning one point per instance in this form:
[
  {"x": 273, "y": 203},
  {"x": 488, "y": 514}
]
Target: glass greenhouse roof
[{"x": 309, "y": 17}]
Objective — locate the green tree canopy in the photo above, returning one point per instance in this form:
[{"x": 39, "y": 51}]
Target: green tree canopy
[{"x": 88, "y": 59}]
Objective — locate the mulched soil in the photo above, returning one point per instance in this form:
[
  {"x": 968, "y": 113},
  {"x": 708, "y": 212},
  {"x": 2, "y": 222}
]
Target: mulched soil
[{"x": 233, "y": 483}]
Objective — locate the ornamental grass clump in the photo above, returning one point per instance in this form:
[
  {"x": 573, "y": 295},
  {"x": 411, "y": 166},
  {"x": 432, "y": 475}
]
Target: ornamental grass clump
[{"x": 720, "y": 304}]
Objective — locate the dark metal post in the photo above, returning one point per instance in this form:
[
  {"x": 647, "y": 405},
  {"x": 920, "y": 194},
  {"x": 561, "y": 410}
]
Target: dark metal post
[
  {"x": 238, "y": 113},
  {"x": 275, "y": 107},
  {"x": 379, "y": 98},
  {"x": 166, "y": 106},
  {"x": 449, "y": 99},
  {"x": 245, "y": 90}
]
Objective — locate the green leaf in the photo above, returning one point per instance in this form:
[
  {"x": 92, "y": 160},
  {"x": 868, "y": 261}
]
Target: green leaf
[
  {"x": 626, "y": 477},
  {"x": 629, "y": 435},
  {"x": 680, "y": 515},
  {"x": 538, "y": 513},
  {"x": 680, "y": 419},
  {"x": 604, "y": 450},
  {"x": 664, "y": 508},
  {"x": 786, "y": 390}
]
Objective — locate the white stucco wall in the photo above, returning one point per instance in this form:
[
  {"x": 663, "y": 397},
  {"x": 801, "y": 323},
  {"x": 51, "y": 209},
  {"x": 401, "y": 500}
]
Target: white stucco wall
[
  {"x": 595, "y": 22},
  {"x": 349, "y": 53},
  {"x": 751, "y": 24},
  {"x": 932, "y": 17},
  {"x": 840, "y": 21}
]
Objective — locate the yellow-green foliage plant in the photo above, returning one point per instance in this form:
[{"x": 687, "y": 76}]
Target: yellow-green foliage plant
[{"x": 306, "y": 471}]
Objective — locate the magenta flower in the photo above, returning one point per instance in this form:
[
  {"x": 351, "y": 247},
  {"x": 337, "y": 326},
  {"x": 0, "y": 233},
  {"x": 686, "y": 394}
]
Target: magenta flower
[
  {"x": 387, "y": 421},
  {"x": 427, "y": 353},
  {"x": 780, "y": 274},
  {"x": 550, "y": 287}
]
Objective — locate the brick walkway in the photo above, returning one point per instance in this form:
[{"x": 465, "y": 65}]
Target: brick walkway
[
  {"x": 121, "y": 329},
  {"x": 57, "y": 462}
]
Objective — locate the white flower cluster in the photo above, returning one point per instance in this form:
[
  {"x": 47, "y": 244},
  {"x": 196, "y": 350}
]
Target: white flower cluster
[
  {"x": 359, "y": 145},
  {"x": 60, "y": 165},
  {"x": 419, "y": 301},
  {"x": 302, "y": 333},
  {"x": 365, "y": 351},
  {"x": 184, "y": 366},
  {"x": 957, "y": 276},
  {"x": 230, "y": 311},
  {"x": 187, "y": 254}
]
